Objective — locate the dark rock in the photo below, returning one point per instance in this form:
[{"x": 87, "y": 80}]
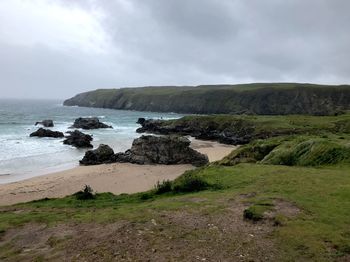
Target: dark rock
[
  {"x": 78, "y": 139},
  {"x": 238, "y": 136},
  {"x": 89, "y": 123},
  {"x": 41, "y": 132},
  {"x": 103, "y": 154},
  {"x": 162, "y": 150},
  {"x": 45, "y": 123},
  {"x": 141, "y": 120}
]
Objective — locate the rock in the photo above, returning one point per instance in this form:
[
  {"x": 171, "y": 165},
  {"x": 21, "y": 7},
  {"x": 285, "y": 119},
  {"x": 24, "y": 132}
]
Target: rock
[
  {"x": 45, "y": 123},
  {"x": 78, "y": 139},
  {"x": 103, "y": 154},
  {"x": 41, "y": 132},
  {"x": 165, "y": 150},
  {"x": 242, "y": 134},
  {"x": 141, "y": 120},
  {"x": 89, "y": 123}
]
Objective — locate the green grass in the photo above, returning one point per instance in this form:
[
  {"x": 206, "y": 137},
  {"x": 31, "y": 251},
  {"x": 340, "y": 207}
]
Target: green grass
[
  {"x": 256, "y": 212},
  {"x": 323, "y": 195},
  {"x": 304, "y": 150},
  {"x": 293, "y": 124}
]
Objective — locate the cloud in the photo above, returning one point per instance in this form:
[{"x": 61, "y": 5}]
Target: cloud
[{"x": 58, "y": 48}]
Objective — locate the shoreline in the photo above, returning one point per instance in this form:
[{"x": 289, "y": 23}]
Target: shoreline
[{"x": 116, "y": 178}]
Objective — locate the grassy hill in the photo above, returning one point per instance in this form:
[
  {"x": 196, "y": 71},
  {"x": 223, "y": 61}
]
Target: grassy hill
[
  {"x": 258, "y": 98},
  {"x": 300, "y": 214}
]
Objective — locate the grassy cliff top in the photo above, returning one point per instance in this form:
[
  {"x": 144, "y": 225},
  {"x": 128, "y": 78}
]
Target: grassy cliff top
[{"x": 257, "y": 98}]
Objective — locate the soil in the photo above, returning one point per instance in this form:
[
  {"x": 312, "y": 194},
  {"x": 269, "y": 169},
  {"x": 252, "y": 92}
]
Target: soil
[{"x": 169, "y": 236}]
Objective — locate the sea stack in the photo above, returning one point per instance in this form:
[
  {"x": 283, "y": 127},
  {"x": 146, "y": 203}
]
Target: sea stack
[{"x": 89, "y": 123}]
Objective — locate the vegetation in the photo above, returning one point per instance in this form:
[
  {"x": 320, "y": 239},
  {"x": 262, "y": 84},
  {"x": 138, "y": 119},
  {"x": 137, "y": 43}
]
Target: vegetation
[
  {"x": 258, "y": 98},
  {"x": 85, "y": 194},
  {"x": 319, "y": 232},
  {"x": 260, "y": 125},
  {"x": 187, "y": 183},
  {"x": 243, "y": 129},
  {"x": 294, "y": 151}
]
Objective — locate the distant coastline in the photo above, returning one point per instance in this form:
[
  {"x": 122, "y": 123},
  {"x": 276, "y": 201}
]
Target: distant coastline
[{"x": 255, "y": 99}]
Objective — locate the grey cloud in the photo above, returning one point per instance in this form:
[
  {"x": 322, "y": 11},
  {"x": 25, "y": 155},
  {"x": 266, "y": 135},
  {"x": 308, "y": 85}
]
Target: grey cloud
[{"x": 193, "y": 42}]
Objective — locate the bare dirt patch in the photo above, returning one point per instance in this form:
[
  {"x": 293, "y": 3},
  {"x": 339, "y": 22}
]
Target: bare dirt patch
[{"x": 196, "y": 235}]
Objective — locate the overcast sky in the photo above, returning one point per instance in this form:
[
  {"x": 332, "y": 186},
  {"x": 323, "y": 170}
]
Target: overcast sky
[{"x": 57, "y": 48}]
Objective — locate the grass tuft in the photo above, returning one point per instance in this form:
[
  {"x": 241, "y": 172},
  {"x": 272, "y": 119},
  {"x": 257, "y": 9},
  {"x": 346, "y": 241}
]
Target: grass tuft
[
  {"x": 86, "y": 194},
  {"x": 190, "y": 182}
]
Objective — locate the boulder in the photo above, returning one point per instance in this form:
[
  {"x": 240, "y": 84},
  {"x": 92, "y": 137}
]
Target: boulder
[
  {"x": 41, "y": 132},
  {"x": 141, "y": 120},
  {"x": 165, "y": 150},
  {"x": 78, "y": 139},
  {"x": 103, "y": 154},
  {"x": 45, "y": 123},
  {"x": 89, "y": 123}
]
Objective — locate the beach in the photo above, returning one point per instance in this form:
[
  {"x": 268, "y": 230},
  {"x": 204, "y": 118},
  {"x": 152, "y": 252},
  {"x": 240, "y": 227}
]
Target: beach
[{"x": 115, "y": 178}]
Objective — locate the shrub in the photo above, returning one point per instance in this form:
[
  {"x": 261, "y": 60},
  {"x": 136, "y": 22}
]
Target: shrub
[
  {"x": 190, "y": 182},
  {"x": 85, "y": 194},
  {"x": 163, "y": 187}
]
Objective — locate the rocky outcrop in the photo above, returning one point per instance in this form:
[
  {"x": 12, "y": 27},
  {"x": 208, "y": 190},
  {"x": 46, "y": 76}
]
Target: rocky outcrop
[
  {"x": 41, "y": 132},
  {"x": 103, "y": 154},
  {"x": 45, "y": 123},
  {"x": 78, "y": 139},
  {"x": 238, "y": 133},
  {"x": 141, "y": 120},
  {"x": 165, "y": 150},
  {"x": 89, "y": 123}
]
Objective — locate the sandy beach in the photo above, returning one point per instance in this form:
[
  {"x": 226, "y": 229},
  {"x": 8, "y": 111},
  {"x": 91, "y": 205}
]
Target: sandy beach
[{"x": 116, "y": 178}]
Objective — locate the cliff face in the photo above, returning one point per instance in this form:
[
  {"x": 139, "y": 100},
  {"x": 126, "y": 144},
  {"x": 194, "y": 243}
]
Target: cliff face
[{"x": 267, "y": 99}]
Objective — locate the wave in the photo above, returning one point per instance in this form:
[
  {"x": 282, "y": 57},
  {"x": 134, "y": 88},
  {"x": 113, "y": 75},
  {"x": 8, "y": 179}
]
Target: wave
[{"x": 11, "y": 123}]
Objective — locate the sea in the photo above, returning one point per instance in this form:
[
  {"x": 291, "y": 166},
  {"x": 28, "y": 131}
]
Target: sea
[{"x": 22, "y": 156}]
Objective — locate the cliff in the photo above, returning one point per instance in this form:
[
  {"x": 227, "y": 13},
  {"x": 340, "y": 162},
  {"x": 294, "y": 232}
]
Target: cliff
[{"x": 262, "y": 99}]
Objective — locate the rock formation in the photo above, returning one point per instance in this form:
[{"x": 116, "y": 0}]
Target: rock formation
[
  {"x": 78, "y": 139},
  {"x": 241, "y": 132},
  {"x": 103, "y": 154},
  {"x": 164, "y": 150},
  {"x": 89, "y": 123},
  {"x": 45, "y": 123},
  {"x": 41, "y": 132}
]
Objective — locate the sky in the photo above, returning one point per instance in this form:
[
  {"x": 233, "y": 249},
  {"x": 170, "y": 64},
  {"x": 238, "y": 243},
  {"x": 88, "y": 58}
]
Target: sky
[{"x": 58, "y": 48}]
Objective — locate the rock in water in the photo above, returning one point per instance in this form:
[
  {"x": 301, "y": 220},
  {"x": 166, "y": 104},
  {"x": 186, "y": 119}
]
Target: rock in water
[
  {"x": 165, "y": 150},
  {"x": 141, "y": 120},
  {"x": 45, "y": 123},
  {"x": 78, "y": 139},
  {"x": 41, "y": 132},
  {"x": 103, "y": 154},
  {"x": 89, "y": 123}
]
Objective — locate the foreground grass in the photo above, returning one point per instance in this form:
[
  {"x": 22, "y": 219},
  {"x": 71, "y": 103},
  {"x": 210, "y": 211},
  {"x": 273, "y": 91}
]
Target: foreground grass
[{"x": 321, "y": 232}]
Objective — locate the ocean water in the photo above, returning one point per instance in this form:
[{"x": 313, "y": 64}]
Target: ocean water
[{"x": 23, "y": 157}]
